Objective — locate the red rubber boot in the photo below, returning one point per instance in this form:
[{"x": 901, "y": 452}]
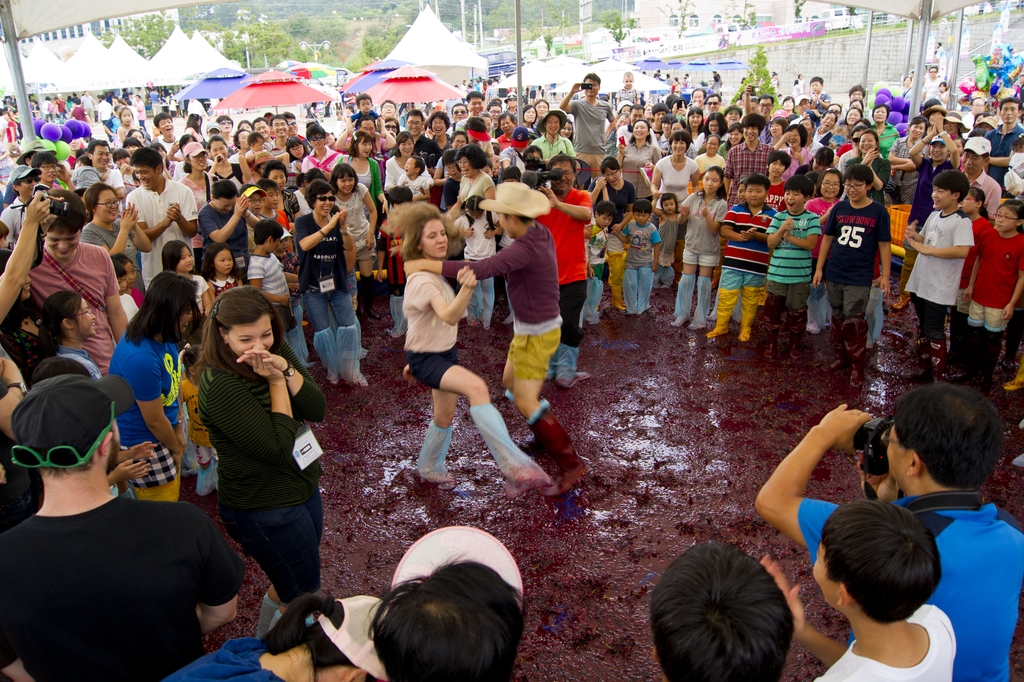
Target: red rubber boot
[{"x": 557, "y": 443}]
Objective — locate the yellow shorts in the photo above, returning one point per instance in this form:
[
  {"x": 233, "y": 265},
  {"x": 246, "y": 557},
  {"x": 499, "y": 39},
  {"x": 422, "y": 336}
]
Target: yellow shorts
[
  {"x": 168, "y": 492},
  {"x": 531, "y": 355}
]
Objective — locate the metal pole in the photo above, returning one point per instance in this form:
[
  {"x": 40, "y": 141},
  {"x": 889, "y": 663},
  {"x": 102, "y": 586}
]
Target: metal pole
[
  {"x": 922, "y": 56},
  {"x": 952, "y": 69},
  {"x": 867, "y": 50},
  {"x": 14, "y": 61},
  {"x": 520, "y": 106},
  {"x": 462, "y": 3},
  {"x": 480, "y": 16},
  {"x": 910, "y": 48}
]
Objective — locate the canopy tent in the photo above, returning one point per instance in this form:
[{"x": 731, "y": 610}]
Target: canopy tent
[
  {"x": 93, "y": 68},
  {"x": 128, "y": 61},
  {"x": 207, "y": 55},
  {"x": 541, "y": 73},
  {"x": 429, "y": 45},
  {"x": 215, "y": 84},
  {"x": 42, "y": 68},
  {"x": 611, "y": 71}
]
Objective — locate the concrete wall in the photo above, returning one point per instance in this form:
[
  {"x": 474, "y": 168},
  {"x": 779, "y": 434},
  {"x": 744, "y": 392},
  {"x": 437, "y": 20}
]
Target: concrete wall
[{"x": 839, "y": 59}]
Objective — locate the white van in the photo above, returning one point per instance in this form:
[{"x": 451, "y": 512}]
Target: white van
[{"x": 836, "y": 18}]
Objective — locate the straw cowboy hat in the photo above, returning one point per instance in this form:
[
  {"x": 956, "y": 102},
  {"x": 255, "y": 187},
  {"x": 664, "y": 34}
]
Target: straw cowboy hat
[{"x": 515, "y": 198}]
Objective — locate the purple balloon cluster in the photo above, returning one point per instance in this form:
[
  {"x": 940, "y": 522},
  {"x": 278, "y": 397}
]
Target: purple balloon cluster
[
  {"x": 61, "y": 132},
  {"x": 899, "y": 109}
]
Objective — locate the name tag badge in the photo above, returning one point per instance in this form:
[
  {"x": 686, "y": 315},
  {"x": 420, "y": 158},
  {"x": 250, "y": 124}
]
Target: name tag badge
[
  {"x": 327, "y": 284},
  {"x": 306, "y": 449}
]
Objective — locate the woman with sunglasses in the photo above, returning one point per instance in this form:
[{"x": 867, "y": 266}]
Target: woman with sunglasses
[
  {"x": 327, "y": 255},
  {"x": 323, "y": 157},
  {"x": 147, "y": 358}
]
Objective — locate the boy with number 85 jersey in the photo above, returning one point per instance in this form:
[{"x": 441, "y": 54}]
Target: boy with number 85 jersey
[{"x": 857, "y": 231}]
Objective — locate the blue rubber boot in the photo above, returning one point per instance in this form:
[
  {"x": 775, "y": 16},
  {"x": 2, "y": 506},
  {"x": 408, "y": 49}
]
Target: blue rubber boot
[
  {"x": 631, "y": 291},
  {"x": 350, "y": 350},
  {"x": 595, "y": 289},
  {"x": 703, "y": 296},
  {"x": 521, "y": 473},
  {"x": 325, "y": 342},
  {"x": 430, "y": 466},
  {"x": 684, "y": 299},
  {"x": 296, "y": 338},
  {"x": 645, "y": 283},
  {"x": 398, "y": 315},
  {"x": 567, "y": 376}
]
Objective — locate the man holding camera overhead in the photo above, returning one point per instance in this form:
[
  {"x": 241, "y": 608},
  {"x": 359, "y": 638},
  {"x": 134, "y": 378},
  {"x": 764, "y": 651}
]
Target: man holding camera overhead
[
  {"x": 570, "y": 215},
  {"x": 942, "y": 445},
  {"x": 593, "y": 119}
]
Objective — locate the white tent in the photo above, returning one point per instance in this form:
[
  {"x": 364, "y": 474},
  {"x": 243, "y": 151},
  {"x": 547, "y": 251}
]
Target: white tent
[
  {"x": 131, "y": 64},
  {"x": 177, "y": 61},
  {"x": 32, "y": 17},
  {"x": 546, "y": 72},
  {"x": 92, "y": 68},
  {"x": 611, "y": 71},
  {"x": 429, "y": 45},
  {"x": 43, "y": 68},
  {"x": 207, "y": 54}
]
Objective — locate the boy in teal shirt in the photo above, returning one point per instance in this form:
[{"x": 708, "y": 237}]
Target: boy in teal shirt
[
  {"x": 644, "y": 243},
  {"x": 793, "y": 235}
]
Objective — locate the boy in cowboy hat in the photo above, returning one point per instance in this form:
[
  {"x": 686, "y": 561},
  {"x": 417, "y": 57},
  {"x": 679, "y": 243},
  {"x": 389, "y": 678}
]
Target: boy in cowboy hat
[{"x": 531, "y": 272}]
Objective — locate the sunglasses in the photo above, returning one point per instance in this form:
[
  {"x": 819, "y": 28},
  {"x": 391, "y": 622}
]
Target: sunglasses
[
  {"x": 325, "y": 197},
  {"x": 59, "y": 456},
  {"x": 317, "y": 138}
]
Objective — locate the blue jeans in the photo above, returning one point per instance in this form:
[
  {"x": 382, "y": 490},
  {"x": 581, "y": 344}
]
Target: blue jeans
[
  {"x": 285, "y": 542},
  {"x": 16, "y": 511},
  {"x": 317, "y": 306}
]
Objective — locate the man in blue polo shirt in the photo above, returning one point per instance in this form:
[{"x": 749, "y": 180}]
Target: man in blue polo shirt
[
  {"x": 1003, "y": 137},
  {"x": 943, "y": 445}
]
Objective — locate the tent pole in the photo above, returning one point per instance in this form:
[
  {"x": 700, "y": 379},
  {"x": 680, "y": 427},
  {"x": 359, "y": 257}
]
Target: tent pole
[
  {"x": 922, "y": 56},
  {"x": 910, "y": 48},
  {"x": 954, "y": 67},
  {"x": 462, "y": 3},
  {"x": 520, "y": 105},
  {"x": 17, "y": 75},
  {"x": 867, "y": 48}
]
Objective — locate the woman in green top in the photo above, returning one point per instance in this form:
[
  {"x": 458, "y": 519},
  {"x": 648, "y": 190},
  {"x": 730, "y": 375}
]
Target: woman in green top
[
  {"x": 871, "y": 157},
  {"x": 551, "y": 141},
  {"x": 887, "y": 133},
  {"x": 254, "y": 396}
]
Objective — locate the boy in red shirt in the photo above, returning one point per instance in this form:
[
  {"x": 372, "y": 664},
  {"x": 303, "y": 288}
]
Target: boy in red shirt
[
  {"x": 997, "y": 282},
  {"x": 778, "y": 163}
]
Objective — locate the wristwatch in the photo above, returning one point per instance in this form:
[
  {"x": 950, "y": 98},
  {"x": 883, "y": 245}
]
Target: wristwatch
[
  {"x": 18, "y": 385},
  {"x": 290, "y": 371}
]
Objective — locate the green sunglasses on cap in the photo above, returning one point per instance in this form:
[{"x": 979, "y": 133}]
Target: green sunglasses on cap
[{"x": 59, "y": 456}]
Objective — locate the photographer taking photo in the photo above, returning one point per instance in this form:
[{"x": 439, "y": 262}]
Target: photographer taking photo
[{"x": 944, "y": 443}]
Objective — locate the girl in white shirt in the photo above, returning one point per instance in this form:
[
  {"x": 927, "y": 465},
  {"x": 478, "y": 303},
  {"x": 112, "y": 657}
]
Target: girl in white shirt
[{"x": 478, "y": 228}]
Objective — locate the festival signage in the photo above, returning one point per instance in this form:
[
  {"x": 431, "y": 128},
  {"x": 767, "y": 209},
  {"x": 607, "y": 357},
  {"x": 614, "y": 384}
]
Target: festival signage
[{"x": 720, "y": 41}]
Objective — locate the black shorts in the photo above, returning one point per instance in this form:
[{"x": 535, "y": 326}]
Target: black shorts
[{"x": 428, "y": 368}]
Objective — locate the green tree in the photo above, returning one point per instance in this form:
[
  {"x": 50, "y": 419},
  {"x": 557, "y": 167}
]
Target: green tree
[
  {"x": 798, "y": 6},
  {"x": 549, "y": 41},
  {"x": 758, "y": 75},
  {"x": 616, "y": 25},
  {"x": 378, "y": 43},
  {"x": 681, "y": 9},
  {"x": 145, "y": 34}
]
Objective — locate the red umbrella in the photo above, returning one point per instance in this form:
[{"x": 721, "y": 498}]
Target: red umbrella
[
  {"x": 272, "y": 89},
  {"x": 412, "y": 84}
]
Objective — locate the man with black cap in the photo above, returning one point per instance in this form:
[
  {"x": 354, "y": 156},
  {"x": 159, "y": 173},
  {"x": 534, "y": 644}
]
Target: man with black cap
[
  {"x": 28, "y": 151},
  {"x": 22, "y": 179},
  {"x": 101, "y": 587}
]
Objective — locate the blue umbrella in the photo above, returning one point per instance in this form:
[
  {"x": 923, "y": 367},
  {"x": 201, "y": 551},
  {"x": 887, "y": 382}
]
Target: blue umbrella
[
  {"x": 216, "y": 84},
  {"x": 699, "y": 65},
  {"x": 650, "y": 64},
  {"x": 729, "y": 65},
  {"x": 675, "y": 64}
]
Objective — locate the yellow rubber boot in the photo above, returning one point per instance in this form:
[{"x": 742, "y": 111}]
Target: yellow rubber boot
[
  {"x": 727, "y": 299},
  {"x": 616, "y": 267},
  {"x": 1018, "y": 381},
  {"x": 750, "y": 303}
]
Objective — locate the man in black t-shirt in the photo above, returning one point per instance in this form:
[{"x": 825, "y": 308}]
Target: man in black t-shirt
[
  {"x": 97, "y": 587},
  {"x": 425, "y": 147}
]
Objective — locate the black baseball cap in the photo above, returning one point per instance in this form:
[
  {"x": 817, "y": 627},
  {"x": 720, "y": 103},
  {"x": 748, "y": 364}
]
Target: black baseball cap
[{"x": 69, "y": 410}]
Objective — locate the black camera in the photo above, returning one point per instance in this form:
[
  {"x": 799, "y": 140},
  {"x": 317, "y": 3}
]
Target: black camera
[
  {"x": 534, "y": 164},
  {"x": 873, "y": 439},
  {"x": 534, "y": 179},
  {"x": 58, "y": 207},
  {"x": 586, "y": 86}
]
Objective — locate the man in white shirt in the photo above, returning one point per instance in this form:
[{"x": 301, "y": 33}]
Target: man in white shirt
[
  {"x": 104, "y": 109},
  {"x": 167, "y": 209},
  {"x": 930, "y": 87}
]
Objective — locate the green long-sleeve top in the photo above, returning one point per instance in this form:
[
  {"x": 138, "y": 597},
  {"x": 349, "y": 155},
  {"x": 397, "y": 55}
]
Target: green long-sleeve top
[{"x": 256, "y": 469}]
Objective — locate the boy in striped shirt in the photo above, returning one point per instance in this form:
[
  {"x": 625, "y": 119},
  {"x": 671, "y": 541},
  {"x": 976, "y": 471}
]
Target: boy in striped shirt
[
  {"x": 745, "y": 262},
  {"x": 793, "y": 235}
]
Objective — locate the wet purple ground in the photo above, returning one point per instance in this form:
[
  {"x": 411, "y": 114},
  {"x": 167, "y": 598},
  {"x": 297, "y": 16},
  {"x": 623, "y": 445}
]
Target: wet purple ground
[{"x": 680, "y": 433}]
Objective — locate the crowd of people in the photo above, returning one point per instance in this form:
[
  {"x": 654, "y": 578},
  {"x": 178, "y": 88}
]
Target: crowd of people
[{"x": 159, "y": 293}]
